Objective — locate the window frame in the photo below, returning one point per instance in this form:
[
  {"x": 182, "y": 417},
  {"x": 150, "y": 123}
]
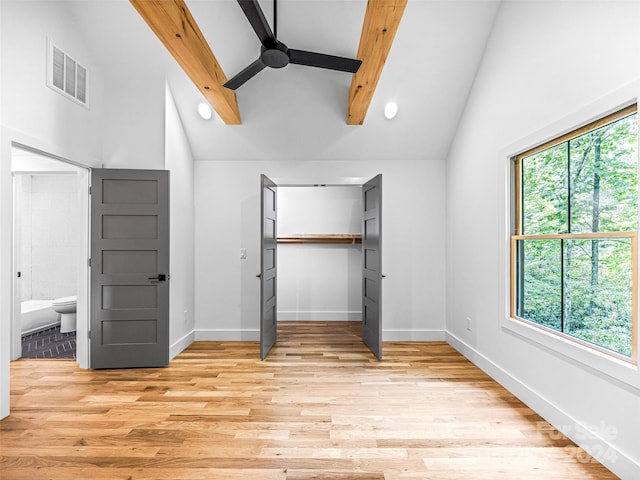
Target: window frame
[{"x": 516, "y": 235}]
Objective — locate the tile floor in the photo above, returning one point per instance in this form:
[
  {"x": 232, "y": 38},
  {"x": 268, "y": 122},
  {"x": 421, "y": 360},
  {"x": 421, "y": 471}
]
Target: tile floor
[{"x": 49, "y": 344}]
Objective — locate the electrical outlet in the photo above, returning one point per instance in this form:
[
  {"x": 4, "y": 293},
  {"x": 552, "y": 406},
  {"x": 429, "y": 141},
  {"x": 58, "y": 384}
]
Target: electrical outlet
[
  {"x": 243, "y": 254},
  {"x": 469, "y": 323},
  {"x": 186, "y": 316}
]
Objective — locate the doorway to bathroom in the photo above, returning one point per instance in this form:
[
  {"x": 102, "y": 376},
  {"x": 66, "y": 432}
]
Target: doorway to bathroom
[{"x": 50, "y": 245}]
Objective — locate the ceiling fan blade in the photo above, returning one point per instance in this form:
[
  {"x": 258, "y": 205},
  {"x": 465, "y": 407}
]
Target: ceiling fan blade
[
  {"x": 254, "y": 14},
  {"x": 312, "y": 59},
  {"x": 245, "y": 75}
]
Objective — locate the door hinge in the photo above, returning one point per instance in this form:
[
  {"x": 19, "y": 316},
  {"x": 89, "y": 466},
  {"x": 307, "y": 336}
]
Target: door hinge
[
  {"x": 89, "y": 189},
  {"x": 89, "y": 262},
  {"x": 19, "y": 274}
]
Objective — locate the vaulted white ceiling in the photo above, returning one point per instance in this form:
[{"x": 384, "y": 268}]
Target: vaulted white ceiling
[{"x": 300, "y": 112}]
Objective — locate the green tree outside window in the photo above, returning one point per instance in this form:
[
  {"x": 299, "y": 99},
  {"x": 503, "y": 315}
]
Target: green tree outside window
[{"x": 576, "y": 234}]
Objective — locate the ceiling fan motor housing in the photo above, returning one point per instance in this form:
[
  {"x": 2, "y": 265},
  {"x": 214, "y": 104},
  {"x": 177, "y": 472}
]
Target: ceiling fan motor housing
[{"x": 276, "y": 56}]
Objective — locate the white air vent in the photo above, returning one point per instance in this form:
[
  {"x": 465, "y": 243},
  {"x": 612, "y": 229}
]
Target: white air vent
[{"x": 66, "y": 76}]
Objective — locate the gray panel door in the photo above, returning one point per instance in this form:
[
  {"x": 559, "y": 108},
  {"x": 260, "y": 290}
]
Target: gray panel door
[
  {"x": 268, "y": 270},
  {"x": 371, "y": 265},
  {"x": 129, "y": 268}
]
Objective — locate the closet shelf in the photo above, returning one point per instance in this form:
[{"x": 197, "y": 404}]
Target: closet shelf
[{"x": 342, "y": 238}]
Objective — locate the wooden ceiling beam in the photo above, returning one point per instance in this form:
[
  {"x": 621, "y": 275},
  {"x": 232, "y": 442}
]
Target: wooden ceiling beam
[
  {"x": 174, "y": 25},
  {"x": 381, "y": 21}
]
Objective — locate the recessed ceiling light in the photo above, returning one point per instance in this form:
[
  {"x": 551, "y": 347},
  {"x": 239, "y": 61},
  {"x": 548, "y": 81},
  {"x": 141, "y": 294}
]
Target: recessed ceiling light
[
  {"x": 205, "y": 111},
  {"x": 390, "y": 110}
]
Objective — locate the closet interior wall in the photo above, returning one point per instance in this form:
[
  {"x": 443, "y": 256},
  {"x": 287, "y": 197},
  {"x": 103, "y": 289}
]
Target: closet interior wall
[{"x": 319, "y": 281}]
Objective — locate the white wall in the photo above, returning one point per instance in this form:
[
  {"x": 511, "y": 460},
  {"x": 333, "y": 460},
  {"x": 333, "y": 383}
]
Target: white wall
[
  {"x": 180, "y": 164},
  {"x": 123, "y": 128},
  {"x": 312, "y": 210},
  {"x": 53, "y": 242},
  {"x": 124, "y": 124},
  {"x": 228, "y": 219},
  {"x": 316, "y": 281},
  {"x": 5, "y": 258},
  {"x": 34, "y": 115},
  {"x": 134, "y": 122},
  {"x": 319, "y": 282},
  {"x": 30, "y": 106},
  {"x": 548, "y": 67}
]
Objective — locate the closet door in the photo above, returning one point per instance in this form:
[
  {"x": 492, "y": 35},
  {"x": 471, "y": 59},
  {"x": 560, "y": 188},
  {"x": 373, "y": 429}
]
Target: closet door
[
  {"x": 268, "y": 270},
  {"x": 371, "y": 265}
]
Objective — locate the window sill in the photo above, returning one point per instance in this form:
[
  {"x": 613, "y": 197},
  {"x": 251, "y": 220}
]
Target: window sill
[{"x": 622, "y": 371}]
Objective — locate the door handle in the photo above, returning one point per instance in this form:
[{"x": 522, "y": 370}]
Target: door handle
[
  {"x": 384, "y": 276},
  {"x": 259, "y": 275},
  {"x": 162, "y": 277}
]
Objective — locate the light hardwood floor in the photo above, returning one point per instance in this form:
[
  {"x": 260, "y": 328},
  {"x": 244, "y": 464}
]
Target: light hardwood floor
[{"x": 320, "y": 407}]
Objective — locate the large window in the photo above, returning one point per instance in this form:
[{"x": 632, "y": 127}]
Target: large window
[{"x": 574, "y": 237}]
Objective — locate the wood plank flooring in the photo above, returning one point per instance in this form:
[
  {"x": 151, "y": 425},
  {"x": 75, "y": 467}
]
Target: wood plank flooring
[{"x": 320, "y": 407}]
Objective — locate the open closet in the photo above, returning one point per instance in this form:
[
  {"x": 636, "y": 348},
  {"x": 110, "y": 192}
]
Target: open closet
[{"x": 321, "y": 257}]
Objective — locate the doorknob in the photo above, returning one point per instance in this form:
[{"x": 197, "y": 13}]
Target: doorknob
[{"x": 162, "y": 277}]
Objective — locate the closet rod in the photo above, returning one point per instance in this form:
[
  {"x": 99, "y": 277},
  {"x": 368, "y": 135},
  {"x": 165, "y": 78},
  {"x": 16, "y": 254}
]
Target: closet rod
[{"x": 341, "y": 239}]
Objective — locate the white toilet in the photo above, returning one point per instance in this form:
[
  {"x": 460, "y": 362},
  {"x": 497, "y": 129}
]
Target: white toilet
[{"x": 66, "y": 307}]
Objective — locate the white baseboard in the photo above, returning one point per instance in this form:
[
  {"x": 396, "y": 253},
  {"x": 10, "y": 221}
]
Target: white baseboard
[
  {"x": 414, "y": 335},
  {"x": 177, "y": 347},
  {"x": 229, "y": 335},
  {"x": 583, "y": 435},
  {"x": 321, "y": 316},
  {"x": 218, "y": 334}
]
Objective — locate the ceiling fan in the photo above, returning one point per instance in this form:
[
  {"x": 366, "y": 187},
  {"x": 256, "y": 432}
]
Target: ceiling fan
[{"x": 276, "y": 54}]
